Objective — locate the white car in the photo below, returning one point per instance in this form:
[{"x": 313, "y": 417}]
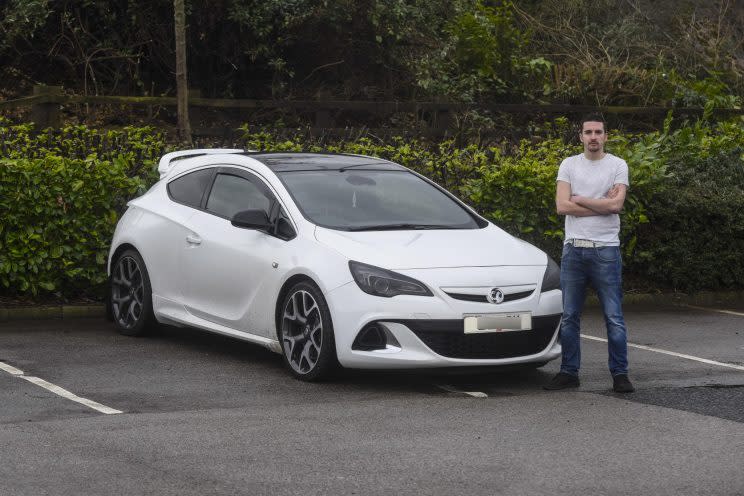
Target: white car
[{"x": 330, "y": 259}]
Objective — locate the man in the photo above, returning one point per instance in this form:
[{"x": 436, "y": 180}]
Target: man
[{"x": 590, "y": 192}]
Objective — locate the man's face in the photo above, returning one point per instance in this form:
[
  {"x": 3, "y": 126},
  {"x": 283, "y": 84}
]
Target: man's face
[{"x": 593, "y": 136}]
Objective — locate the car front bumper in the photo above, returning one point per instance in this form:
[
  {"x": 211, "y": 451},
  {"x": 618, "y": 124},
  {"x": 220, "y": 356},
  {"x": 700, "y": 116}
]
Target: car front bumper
[{"x": 429, "y": 332}]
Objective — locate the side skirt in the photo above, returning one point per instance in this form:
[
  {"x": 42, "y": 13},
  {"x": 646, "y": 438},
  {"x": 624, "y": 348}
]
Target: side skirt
[{"x": 170, "y": 312}]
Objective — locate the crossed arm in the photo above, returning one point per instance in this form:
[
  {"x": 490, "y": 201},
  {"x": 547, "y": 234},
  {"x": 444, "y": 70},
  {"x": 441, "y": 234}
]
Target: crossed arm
[{"x": 581, "y": 206}]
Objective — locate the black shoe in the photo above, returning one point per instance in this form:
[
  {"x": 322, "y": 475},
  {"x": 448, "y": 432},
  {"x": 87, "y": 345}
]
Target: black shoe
[
  {"x": 562, "y": 381},
  {"x": 621, "y": 384}
]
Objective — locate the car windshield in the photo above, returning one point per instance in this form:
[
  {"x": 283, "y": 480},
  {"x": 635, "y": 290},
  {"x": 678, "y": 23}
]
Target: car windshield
[{"x": 374, "y": 200}]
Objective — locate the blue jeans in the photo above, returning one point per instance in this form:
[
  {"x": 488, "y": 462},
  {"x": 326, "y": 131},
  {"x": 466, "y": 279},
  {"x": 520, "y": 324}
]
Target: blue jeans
[{"x": 602, "y": 268}]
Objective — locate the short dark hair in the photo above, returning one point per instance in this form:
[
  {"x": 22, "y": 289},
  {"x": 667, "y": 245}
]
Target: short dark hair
[{"x": 593, "y": 117}]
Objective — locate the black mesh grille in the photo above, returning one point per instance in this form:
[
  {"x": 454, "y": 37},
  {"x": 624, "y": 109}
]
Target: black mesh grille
[
  {"x": 447, "y": 338},
  {"x": 483, "y": 299}
]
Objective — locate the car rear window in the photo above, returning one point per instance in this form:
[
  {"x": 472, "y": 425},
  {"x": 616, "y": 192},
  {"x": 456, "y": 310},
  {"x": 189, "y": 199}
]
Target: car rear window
[{"x": 189, "y": 189}]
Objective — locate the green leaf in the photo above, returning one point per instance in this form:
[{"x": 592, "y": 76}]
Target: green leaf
[{"x": 49, "y": 286}]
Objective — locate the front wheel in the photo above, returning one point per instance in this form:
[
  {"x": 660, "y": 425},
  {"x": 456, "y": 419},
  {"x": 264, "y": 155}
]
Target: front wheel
[
  {"x": 130, "y": 295},
  {"x": 306, "y": 333}
]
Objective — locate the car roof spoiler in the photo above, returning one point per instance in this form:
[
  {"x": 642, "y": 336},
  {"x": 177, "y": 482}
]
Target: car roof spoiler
[{"x": 166, "y": 163}]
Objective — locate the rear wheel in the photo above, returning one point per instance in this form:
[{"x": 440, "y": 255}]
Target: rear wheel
[
  {"x": 131, "y": 295},
  {"x": 306, "y": 333}
]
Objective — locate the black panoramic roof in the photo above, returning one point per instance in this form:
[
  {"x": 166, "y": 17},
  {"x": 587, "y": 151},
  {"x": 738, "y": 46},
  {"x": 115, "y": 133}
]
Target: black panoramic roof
[{"x": 295, "y": 161}]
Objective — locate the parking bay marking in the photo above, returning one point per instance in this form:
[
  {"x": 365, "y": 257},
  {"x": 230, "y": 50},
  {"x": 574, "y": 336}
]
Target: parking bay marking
[
  {"x": 58, "y": 390},
  {"x": 672, "y": 353},
  {"x": 729, "y": 312},
  {"x": 450, "y": 389}
]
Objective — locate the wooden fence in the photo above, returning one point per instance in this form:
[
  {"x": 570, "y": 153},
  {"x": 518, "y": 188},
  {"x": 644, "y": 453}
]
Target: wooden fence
[{"x": 47, "y": 101}]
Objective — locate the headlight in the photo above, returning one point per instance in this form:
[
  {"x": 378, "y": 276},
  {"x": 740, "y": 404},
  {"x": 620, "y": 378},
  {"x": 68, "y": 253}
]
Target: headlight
[
  {"x": 552, "y": 278},
  {"x": 380, "y": 282}
]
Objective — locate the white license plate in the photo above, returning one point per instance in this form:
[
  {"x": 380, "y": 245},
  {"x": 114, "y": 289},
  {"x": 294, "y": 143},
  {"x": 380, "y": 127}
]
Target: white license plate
[{"x": 498, "y": 322}]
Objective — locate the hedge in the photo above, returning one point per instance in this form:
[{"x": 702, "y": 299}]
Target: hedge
[{"x": 61, "y": 193}]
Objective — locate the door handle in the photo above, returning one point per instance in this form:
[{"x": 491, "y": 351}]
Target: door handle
[{"x": 193, "y": 239}]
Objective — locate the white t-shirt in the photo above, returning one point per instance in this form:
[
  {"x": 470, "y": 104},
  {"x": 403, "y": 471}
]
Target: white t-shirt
[{"x": 593, "y": 179}]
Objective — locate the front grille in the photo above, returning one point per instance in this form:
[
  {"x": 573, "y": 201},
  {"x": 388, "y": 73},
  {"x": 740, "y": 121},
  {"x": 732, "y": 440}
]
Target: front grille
[
  {"x": 483, "y": 299},
  {"x": 447, "y": 338}
]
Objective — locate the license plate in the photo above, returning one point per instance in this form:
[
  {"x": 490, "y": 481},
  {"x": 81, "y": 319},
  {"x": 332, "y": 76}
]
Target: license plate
[{"x": 498, "y": 322}]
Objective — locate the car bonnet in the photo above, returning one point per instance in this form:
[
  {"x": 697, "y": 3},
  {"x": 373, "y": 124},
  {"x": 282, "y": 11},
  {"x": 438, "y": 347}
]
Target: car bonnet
[{"x": 421, "y": 249}]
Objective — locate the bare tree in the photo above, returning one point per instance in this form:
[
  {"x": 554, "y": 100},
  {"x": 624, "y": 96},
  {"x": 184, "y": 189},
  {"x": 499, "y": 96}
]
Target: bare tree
[{"x": 182, "y": 90}]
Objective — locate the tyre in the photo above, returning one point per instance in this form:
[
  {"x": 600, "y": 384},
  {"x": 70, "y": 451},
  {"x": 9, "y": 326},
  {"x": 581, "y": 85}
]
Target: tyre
[
  {"x": 130, "y": 295},
  {"x": 306, "y": 333}
]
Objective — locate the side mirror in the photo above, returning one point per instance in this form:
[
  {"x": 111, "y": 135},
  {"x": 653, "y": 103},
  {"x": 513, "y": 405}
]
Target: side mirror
[
  {"x": 284, "y": 229},
  {"x": 251, "y": 219}
]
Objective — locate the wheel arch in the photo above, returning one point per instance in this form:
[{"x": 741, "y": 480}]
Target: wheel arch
[
  {"x": 283, "y": 292},
  {"x": 140, "y": 327},
  {"x": 117, "y": 253},
  {"x": 112, "y": 260}
]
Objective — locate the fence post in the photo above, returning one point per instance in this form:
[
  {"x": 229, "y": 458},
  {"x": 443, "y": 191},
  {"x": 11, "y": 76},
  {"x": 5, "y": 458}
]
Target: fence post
[
  {"x": 323, "y": 118},
  {"x": 442, "y": 119},
  {"x": 46, "y": 113},
  {"x": 196, "y": 114}
]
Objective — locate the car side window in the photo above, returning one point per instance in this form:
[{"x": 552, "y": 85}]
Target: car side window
[
  {"x": 189, "y": 189},
  {"x": 232, "y": 194}
]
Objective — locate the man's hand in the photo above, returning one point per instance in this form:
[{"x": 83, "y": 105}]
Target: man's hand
[
  {"x": 612, "y": 203},
  {"x": 566, "y": 204},
  {"x": 613, "y": 192}
]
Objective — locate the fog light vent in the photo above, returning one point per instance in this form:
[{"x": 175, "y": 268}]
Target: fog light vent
[{"x": 371, "y": 337}]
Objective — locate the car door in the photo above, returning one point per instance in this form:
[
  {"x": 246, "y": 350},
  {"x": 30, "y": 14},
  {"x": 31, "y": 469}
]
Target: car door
[
  {"x": 226, "y": 269},
  {"x": 165, "y": 229}
]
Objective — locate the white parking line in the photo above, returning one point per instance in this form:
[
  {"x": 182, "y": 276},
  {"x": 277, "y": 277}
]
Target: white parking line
[
  {"x": 672, "y": 353},
  {"x": 58, "y": 390},
  {"x": 729, "y": 312},
  {"x": 10, "y": 369},
  {"x": 450, "y": 389}
]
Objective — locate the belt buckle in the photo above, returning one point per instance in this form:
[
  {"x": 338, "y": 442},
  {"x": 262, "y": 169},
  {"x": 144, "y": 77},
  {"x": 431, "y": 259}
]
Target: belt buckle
[{"x": 585, "y": 243}]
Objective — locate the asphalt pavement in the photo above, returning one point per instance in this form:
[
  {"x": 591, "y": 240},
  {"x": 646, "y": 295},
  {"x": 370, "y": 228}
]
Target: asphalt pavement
[{"x": 203, "y": 414}]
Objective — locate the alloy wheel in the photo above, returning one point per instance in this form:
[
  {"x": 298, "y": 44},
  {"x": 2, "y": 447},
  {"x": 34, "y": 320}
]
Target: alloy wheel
[
  {"x": 127, "y": 292},
  {"x": 302, "y": 331}
]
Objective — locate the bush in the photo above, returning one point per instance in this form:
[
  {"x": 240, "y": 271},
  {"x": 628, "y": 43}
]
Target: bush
[
  {"x": 59, "y": 214},
  {"x": 61, "y": 193},
  {"x": 695, "y": 239},
  {"x": 140, "y": 146},
  {"x": 695, "y": 236}
]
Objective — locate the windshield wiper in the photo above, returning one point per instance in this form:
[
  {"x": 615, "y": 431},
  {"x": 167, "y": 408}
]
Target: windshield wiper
[{"x": 400, "y": 227}]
